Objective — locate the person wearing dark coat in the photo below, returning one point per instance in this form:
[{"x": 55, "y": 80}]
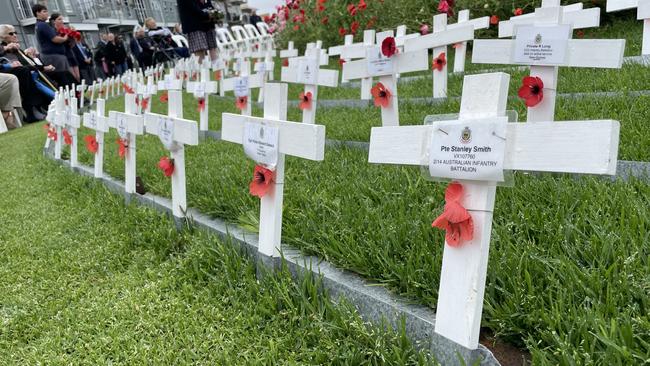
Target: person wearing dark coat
[
  {"x": 115, "y": 55},
  {"x": 101, "y": 68},
  {"x": 84, "y": 58},
  {"x": 198, "y": 19}
]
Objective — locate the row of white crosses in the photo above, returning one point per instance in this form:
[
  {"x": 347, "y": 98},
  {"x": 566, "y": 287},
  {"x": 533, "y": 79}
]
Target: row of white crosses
[
  {"x": 375, "y": 64},
  {"x": 202, "y": 89},
  {"x": 550, "y": 27},
  {"x": 643, "y": 13},
  {"x": 306, "y": 70},
  {"x": 302, "y": 140},
  {"x": 545, "y": 146}
]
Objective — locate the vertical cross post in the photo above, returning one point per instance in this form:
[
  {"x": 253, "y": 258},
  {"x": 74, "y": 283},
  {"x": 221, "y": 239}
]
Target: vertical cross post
[
  {"x": 98, "y": 121},
  {"x": 128, "y": 124}
]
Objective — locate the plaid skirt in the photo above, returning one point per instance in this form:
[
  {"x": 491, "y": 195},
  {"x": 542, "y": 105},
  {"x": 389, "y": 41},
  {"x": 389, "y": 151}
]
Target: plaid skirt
[{"x": 201, "y": 41}]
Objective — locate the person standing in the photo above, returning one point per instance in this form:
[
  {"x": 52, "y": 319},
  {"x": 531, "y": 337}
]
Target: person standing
[
  {"x": 99, "y": 57},
  {"x": 255, "y": 18},
  {"x": 84, "y": 58},
  {"x": 52, "y": 45},
  {"x": 198, "y": 19},
  {"x": 115, "y": 55},
  {"x": 56, "y": 21}
]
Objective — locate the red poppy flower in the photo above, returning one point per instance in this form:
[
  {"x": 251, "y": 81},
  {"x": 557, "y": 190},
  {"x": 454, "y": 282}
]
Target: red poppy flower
[
  {"x": 388, "y": 47},
  {"x": 296, "y": 27},
  {"x": 341, "y": 62},
  {"x": 127, "y": 89},
  {"x": 145, "y": 103},
  {"x": 164, "y": 98},
  {"x": 424, "y": 29},
  {"x": 51, "y": 134},
  {"x": 285, "y": 62},
  {"x": 532, "y": 90},
  {"x": 305, "y": 100},
  {"x": 354, "y": 27},
  {"x": 91, "y": 144},
  {"x": 440, "y": 62},
  {"x": 494, "y": 20},
  {"x": 241, "y": 103},
  {"x": 446, "y": 6},
  {"x": 217, "y": 75},
  {"x": 455, "y": 219},
  {"x": 362, "y": 5},
  {"x": 342, "y": 31},
  {"x": 580, "y": 34},
  {"x": 123, "y": 145},
  {"x": 263, "y": 180},
  {"x": 518, "y": 11},
  {"x": 166, "y": 165},
  {"x": 352, "y": 10},
  {"x": 67, "y": 138},
  {"x": 320, "y": 8},
  {"x": 46, "y": 127},
  {"x": 201, "y": 105},
  {"x": 381, "y": 95},
  {"x": 325, "y": 20}
]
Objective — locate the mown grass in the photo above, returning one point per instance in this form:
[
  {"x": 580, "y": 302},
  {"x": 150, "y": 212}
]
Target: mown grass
[
  {"x": 88, "y": 280},
  {"x": 568, "y": 277}
]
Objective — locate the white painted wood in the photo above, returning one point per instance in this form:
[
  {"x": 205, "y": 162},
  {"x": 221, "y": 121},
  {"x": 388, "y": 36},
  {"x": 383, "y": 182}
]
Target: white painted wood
[
  {"x": 289, "y": 52},
  {"x": 72, "y": 124},
  {"x": 59, "y": 123},
  {"x": 358, "y": 50},
  {"x": 580, "y": 53},
  {"x": 324, "y": 77},
  {"x": 302, "y": 140},
  {"x": 461, "y": 48},
  {"x": 643, "y": 14},
  {"x": 134, "y": 127},
  {"x": 576, "y": 16},
  {"x": 3, "y": 125},
  {"x": 185, "y": 132},
  {"x": 546, "y": 146},
  {"x": 254, "y": 81},
  {"x": 202, "y": 90},
  {"x": 97, "y": 120},
  {"x": 402, "y": 63},
  {"x": 82, "y": 92}
]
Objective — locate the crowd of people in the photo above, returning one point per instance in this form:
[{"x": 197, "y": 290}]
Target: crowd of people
[{"x": 29, "y": 77}]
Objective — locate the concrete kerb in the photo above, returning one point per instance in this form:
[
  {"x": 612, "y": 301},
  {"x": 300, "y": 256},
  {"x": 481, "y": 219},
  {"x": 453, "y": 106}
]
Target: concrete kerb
[{"x": 373, "y": 303}]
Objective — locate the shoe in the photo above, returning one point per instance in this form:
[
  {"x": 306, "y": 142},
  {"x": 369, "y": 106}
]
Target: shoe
[{"x": 38, "y": 115}]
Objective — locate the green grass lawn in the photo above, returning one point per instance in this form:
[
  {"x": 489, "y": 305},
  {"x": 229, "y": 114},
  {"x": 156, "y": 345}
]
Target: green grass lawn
[
  {"x": 568, "y": 277},
  {"x": 88, "y": 280}
]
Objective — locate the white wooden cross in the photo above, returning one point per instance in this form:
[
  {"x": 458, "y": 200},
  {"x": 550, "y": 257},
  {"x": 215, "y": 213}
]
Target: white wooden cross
[
  {"x": 175, "y": 132},
  {"x": 82, "y": 92},
  {"x": 643, "y": 13},
  {"x": 399, "y": 63},
  {"x": 289, "y": 52},
  {"x": 461, "y": 48},
  {"x": 324, "y": 57},
  {"x": 337, "y": 50},
  {"x": 265, "y": 68},
  {"x": 305, "y": 70},
  {"x": 302, "y": 140},
  {"x": 587, "y": 147},
  {"x": 58, "y": 122},
  {"x": 128, "y": 125},
  {"x": 97, "y": 121},
  {"x": 241, "y": 85},
  {"x": 145, "y": 93},
  {"x": 573, "y": 14},
  {"x": 438, "y": 40},
  {"x": 607, "y": 53},
  {"x": 357, "y": 51},
  {"x": 71, "y": 122},
  {"x": 201, "y": 91}
]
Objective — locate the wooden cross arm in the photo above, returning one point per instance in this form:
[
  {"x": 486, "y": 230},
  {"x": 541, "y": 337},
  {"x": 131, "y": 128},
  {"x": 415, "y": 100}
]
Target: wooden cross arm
[
  {"x": 288, "y": 53},
  {"x": 462, "y": 33},
  {"x": 617, "y": 5},
  {"x": 356, "y": 50},
  {"x": 74, "y": 121},
  {"x": 574, "y": 15},
  {"x": 600, "y": 53},
  {"x": 587, "y": 147},
  {"x": 101, "y": 122},
  {"x": 134, "y": 122},
  {"x": 254, "y": 81},
  {"x": 335, "y": 50},
  {"x": 210, "y": 87},
  {"x": 406, "y": 62},
  {"x": 185, "y": 131},
  {"x": 302, "y": 140},
  {"x": 326, "y": 77},
  {"x": 170, "y": 85},
  {"x": 643, "y": 11},
  {"x": 478, "y": 23}
]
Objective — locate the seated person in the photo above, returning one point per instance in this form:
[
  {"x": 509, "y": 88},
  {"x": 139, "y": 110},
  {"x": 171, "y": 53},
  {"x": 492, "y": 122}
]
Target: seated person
[
  {"x": 142, "y": 47},
  {"x": 163, "y": 38},
  {"x": 9, "y": 98},
  {"x": 47, "y": 74}
]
